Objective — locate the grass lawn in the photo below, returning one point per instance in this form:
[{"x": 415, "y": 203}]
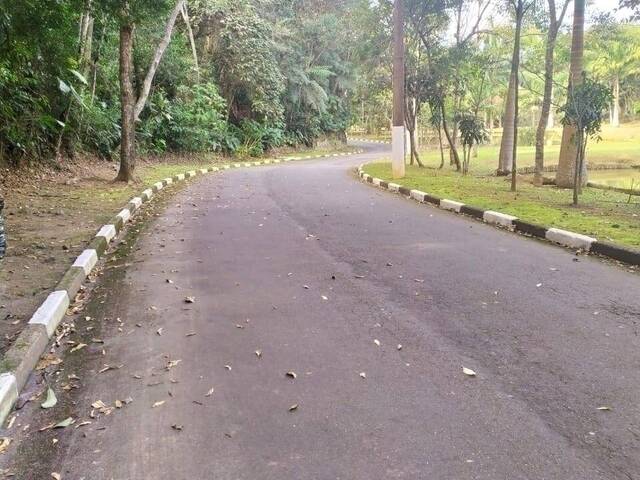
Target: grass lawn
[{"x": 603, "y": 214}]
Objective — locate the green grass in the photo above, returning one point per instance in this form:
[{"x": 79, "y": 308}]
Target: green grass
[{"x": 603, "y": 214}]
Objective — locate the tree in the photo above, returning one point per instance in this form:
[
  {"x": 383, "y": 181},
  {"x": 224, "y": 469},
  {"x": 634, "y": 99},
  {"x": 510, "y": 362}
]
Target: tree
[
  {"x": 586, "y": 101},
  {"x": 614, "y": 55},
  {"x": 509, "y": 141},
  {"x": 472, "y": 133},
  {"x": 565, "y": 175},
  {"x": 555, "y": 22},
  {"x": 3, "y": 235},
  {"x": 131, "y": 107}
]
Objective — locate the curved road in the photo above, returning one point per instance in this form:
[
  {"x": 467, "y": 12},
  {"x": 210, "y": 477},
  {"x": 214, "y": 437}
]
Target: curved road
[{"x": 325, "y": 276}]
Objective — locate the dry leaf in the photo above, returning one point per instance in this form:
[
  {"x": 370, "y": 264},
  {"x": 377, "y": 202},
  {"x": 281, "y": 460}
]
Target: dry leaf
[
  {"x": 171, "y": 364},
  {"x": 293, "y": 407},
  {"x": 57, "y": 476},
  {"x": 210, "y": 392},
  {"x": 377, "y": 342},
  {"x": 4, "y": 444},
  {"x": 190, "y": 300},
  {"x": 228, "y": 367},
  {"x": 158, "y": 404},
  {"x": 291, "y": 375},
  {"x": 604, "y": 408},
  {"x": 177, "y": 427},
  {"x": 159, "y": 331},
  {"x": 324, "y": 297},
  {"x": 48, "y": 360},
  {"x": 468, "y": 372},
  {"x": 363, "y": 375},
  {"x": 80, "y": 346},
  {"x": 258, "y": 353},
  {"x": 399, "y": 346},
  {"x": 51, "y": 400},
  {"x": 65, "y": 423}
]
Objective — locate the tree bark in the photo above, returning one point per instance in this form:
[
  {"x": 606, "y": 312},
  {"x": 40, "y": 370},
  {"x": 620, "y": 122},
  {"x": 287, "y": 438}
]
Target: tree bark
[
  {"x": 615, "y": 120},
  {"x": 160, "y": 49},
  {"x": 569, "y": 148},
  {"x": 127, "y": 101},
  {"x": 516, "y": 73},
  {"x": 506, "y": 143},
  {"x": 453, "y": 151},
  {"x": 192, "y": 42},
  {"x": 546, "y": 118}
]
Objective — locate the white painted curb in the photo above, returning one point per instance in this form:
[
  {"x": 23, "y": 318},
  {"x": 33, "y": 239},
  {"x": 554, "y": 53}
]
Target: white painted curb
[
  {"x": 570, "y": 239},
  {"x": 393, "y": 187},
  {"x": 451, "y": 205},
  {"x": 497, "y": 218},
  {"x": 8, "y": 394},
  {"x": 180, "y": 177},
  {"x": 108, "y": 232},
  {"x": 51, "y": 311},
  {"x": 159, "y": 185},
  {"x": 87, "y": 260},
  {"x": 418, "y": 195},
  {"x": 125, "y": 215},
  {"x": 147, "y": 195},
  {"x": 137, "y": 202},
  {"x": 168, "y": 180}
]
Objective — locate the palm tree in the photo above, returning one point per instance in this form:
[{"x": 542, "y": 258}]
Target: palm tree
[
  {"x": 568, "y": 149},
  {"x": 616, "y": 58}
]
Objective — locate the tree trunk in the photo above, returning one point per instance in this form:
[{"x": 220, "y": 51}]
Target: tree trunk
[
  {"x": 543, "y": 121},
  {"x": 162, "y": 46},
  {"x": 506, "y": 143},
  {"x": 453, "y": 151},
  {"x": 127, "y": 101},
  {"x": 192, "y": 42},
  {"x": 615, "y": 120},
  {"x": 516, "y": 73},
  {"x": 569, "y": 148},
  {"x": 441, "y": 148}
]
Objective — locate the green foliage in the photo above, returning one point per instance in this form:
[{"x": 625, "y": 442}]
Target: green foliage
[{"x": 585, "y": 105}]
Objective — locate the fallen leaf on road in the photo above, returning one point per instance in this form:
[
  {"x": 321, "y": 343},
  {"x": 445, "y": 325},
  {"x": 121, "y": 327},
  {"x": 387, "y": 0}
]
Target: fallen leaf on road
[
  {"x": 190, "y": 300},
  {"x": 399, "y": 347},
  {"x": 604, "y": 408},
  {"x": 177, "y": 427},
  {"x": 324, "y": 297},
  {"x": 159, "y": 331},
  {"x": 538, "y": 285},
  {"x": 293, "y": 407},
  {"x": 80, "y": 346},
  {"x": 118, "y": 404},
  {"x": 258, "y": 353},
  {"x": 363, "y": 375},
  {"x": 158, "y": 404},
  {"x": 171, "y": 364},
  {"x": 65, "y": 423},
  {"x": 291, "y": 375},
  {"x": 57, "y": 476},
  {"x": 377, "y": 342},
  {"x": 358, "y": 276},
  {"x": 468, "y": 372},
  {"x": 48, "y": 360},
  {"x": 228, "y": 367},
  {"x": 4, "y": 444},
  {"x": 83, "y": 424},
  {"x": 306, "y": 287},
  {"x": 51, "y": 400},
  {"x": 190, "y": 334},
  {"x": 210, "y": 392}
]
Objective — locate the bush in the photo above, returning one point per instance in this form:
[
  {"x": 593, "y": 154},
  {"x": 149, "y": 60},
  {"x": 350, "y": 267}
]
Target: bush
[
  {"x": 193, "y": 122},
  {"x": 526, "y": 136}
]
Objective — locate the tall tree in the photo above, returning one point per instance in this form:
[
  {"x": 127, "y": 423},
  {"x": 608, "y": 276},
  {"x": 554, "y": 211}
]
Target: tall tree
[
  {"x": 569, "y": 148},
  {"x": 509, "y": 142},
  {"x": 555, "y": 22}
]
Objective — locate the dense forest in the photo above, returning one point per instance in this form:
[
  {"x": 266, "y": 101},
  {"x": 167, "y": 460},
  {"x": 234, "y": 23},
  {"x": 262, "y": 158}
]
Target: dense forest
[
  {"x": 236, "y": 76},
  {"x": 115, "y": 77}
]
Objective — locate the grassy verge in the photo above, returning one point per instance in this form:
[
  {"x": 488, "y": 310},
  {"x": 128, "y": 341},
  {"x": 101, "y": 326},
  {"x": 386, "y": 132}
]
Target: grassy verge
[{"x": 603, "y": 214}]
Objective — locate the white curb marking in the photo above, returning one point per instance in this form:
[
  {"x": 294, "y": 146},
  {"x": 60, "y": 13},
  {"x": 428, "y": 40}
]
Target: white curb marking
[
  {"x": 8, "y": 394},
  {"x": 51, "y": 311},
  {"x": 451, "y": 205},
  {"x": 125, "y": 215},
  {"x": 168, "y": 180},
  {"x": 87, "y": 260},
  {"x": 497, "y": 218},
  {"x": 393, "y": 187},
  {"x": 159, "y": 185},
  {"x": 570, "y": 239},
  {"x": 137, "y": 202},
  {"x": 180, "y": 177},
  {"x": 191, "y": 173},
  {"x": 418, "y": 195},
  {"x": 376, "y": 181},
  {"x": 147, "y": 195},
  {"x": 204, "y": 171},
  {"x": 108, "y": 232}
]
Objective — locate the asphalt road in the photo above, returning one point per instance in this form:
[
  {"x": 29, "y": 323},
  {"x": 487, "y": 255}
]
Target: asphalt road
[{"x": 325, "y": 276}]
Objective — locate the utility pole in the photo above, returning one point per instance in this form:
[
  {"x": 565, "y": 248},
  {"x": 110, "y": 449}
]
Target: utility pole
[{"x": 398, "y": 132}]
